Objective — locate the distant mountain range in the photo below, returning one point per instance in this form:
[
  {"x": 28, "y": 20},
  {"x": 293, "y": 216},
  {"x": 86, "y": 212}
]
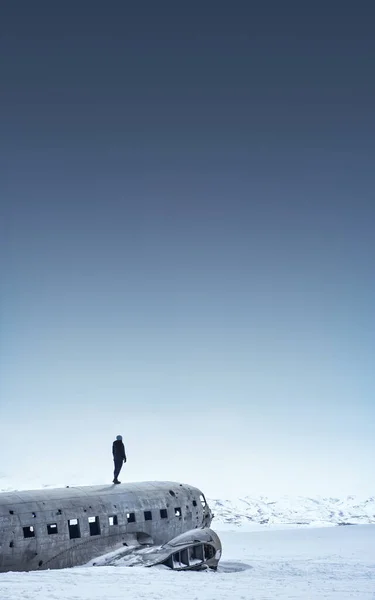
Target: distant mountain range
[
  {"x": 256, "y": 511},
  {"x": 319, "y": 511}
]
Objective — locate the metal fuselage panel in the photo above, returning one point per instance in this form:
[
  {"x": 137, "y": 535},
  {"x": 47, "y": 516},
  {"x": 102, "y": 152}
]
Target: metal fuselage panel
[{"x": 35, "y": 532}]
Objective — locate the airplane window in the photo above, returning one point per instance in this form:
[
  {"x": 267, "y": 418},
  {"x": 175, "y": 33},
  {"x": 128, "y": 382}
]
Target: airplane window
[
  {"x": 74, "y": 530},
  {"x": 51, "y": 528},
  {"x": 163, "y": 513},
  {"x": 113, "y": 520},
  {"x": 177, "y": 512},
  {"x": 34, "y": 515},
  {"x": 194, "y": 503},
  {"x": 94, "y": 525},
  {"x": 172, "y": 493},
  {"x": 148, "y": 515},
  {"x": 130, "y": 517},
  {"x": 28, "y": 532}
]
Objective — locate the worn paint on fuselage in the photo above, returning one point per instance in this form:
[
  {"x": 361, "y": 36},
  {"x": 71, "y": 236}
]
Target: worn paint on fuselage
[{"x": 29, "y": 519}]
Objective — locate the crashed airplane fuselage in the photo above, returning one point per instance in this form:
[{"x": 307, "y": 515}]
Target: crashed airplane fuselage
[{"x": 66, "y": 527}]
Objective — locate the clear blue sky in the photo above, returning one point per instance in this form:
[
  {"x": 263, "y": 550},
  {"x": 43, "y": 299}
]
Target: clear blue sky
[{"x": 188, "y": 244}]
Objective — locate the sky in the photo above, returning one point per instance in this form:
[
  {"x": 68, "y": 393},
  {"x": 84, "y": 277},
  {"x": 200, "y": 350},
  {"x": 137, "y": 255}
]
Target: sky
[{"x": 187, "y": 244}]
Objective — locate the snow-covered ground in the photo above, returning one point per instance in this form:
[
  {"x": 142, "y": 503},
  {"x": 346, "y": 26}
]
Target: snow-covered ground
[{"x": 335, "y": 563}]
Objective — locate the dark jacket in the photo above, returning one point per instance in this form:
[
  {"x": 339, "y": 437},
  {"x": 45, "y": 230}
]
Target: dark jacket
[{"x": 118, "y": 450}]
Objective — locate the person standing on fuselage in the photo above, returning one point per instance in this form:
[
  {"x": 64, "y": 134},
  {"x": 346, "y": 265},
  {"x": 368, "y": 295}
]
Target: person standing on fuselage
[{"x": 119, "y": 456}]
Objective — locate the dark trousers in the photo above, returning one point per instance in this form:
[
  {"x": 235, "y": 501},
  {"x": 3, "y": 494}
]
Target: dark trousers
[{"x": 118, "y": 466}]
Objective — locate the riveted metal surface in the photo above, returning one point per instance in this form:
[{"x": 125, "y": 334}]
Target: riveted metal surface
[{"x": 27, "y": 541}]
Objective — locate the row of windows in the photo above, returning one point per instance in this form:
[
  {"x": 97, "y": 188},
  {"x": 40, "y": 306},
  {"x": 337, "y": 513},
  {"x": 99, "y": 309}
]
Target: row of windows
[
  {"x": 94, "y": 523},
  {"x": 59, "y": 511}
]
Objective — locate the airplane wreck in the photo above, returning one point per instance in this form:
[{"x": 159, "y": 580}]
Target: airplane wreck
[{"x": 149, "y": 523}]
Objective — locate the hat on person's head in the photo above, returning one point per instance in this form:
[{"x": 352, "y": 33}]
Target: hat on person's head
[{"x": 118, "y": 437}]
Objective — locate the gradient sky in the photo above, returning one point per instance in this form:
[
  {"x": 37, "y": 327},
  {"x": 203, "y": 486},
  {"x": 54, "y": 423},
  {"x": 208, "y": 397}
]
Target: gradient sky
[{"x": 187, "y": 244}]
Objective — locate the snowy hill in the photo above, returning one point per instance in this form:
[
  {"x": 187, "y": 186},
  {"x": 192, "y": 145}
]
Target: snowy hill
[{"x": 250, "y": 511}]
